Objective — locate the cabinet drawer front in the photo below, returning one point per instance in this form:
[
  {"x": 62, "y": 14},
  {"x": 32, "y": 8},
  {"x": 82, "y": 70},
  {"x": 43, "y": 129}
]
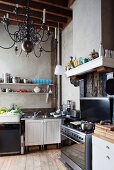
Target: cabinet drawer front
[
  {"x": 33, "y": 133},
  {"x": 103, "y": 144},
  {"x": 101, "y": 160}
]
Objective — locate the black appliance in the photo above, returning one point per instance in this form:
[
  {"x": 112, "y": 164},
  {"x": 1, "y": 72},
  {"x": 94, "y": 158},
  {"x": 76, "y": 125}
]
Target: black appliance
[
  {"x": 10, "y": 136},
  {"x": 76, "y": 147},
  {"x": 95, "y": 109}
]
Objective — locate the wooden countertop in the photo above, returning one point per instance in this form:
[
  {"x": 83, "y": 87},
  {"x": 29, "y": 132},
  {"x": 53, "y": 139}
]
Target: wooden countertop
[
  {"x": 105, "y": 132},
  {"x": 103, "y": 137}
]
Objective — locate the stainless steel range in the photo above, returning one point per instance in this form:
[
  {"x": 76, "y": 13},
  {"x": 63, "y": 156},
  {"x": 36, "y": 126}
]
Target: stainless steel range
[
  {"x": 76, "y": 147},
  {"x": 76, "y": 144}
]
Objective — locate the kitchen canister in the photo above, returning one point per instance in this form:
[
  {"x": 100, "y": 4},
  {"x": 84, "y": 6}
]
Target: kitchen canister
[
  {"x": 101, "y": 50},
  {"x": 5, "y": 75}
]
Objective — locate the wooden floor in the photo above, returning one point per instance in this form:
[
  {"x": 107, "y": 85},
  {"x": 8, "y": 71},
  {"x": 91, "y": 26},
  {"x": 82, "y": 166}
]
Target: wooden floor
[{"x": 40, "y": 160}]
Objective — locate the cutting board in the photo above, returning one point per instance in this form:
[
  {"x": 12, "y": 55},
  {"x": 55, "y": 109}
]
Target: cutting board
[{"x": 109, "y": 127}]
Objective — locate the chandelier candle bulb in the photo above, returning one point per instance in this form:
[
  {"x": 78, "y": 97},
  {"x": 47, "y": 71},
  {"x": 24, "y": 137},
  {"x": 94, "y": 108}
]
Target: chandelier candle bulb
[
  {"x": 17, "y": 5},
  {"x": 55, "y": 33},
  {"x": 48, "y": 28},
  {"x": 44, "y": 12},
  {"x": 7, "y": 15}
]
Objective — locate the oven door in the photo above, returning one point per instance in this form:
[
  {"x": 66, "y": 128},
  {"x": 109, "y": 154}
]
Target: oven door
[{"x": 73, "y": 152}]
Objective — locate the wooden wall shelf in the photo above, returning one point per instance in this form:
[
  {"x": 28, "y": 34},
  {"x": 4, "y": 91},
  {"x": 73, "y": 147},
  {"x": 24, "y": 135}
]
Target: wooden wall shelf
[{"x": 100, "y": 64}]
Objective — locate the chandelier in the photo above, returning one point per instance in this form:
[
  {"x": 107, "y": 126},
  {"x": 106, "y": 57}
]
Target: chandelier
[{"x": 30, "y": 37}]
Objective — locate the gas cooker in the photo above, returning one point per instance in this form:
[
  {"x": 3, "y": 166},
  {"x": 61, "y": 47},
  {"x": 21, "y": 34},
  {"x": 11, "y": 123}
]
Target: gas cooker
[
  {"x": 78, "y": 128},
  {"x": 75, "y": 132},
  {"x": 78, "y": 143}
]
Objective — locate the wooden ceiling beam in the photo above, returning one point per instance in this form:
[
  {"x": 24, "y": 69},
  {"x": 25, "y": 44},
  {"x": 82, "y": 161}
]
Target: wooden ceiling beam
[
  {"x": 39, "y": 7},
  {"x": 35, "y": 21},
  {"x": 70, "y": 2},
  {"x": 36, "y": 24},
  {"x": 33, "y": 14},
  {"x": 51, "y": 4},
  {"x": 56, "y": 11},
  {"x": 63, "y": 3}
]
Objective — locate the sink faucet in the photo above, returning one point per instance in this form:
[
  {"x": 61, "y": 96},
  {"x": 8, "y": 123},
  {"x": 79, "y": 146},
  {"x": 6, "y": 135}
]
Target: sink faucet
[{"x": 36, "y": 113}]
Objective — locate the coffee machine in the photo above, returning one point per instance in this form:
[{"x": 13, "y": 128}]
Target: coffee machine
[{"x": 69, "y": 107}]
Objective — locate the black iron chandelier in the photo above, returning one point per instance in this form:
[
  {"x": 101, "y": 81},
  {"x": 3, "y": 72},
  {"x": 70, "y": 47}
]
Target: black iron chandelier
[{"x": 29, "y": 36}]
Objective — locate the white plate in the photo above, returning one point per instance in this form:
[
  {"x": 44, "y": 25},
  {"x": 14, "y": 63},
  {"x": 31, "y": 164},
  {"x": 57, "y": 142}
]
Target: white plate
[{"x": 76, "y": 123}]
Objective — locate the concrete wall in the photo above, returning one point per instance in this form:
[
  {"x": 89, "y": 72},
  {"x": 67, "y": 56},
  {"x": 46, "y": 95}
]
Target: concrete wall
[
  {"x": 79, "y": 38},
  {"x": 107, "y": 12},
  {"x": 24, "y": 67},
  {"x": 86, "y": 27},
  {"x": 69, "y": 92}
]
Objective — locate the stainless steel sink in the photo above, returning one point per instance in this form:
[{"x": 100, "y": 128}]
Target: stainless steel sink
[
  {"x": 37, "y": 117},
  {"x": 43, "y": 116}
]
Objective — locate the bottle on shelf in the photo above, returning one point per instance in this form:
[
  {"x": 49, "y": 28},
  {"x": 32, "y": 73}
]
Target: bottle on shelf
[{"x": 101, "y": 50}]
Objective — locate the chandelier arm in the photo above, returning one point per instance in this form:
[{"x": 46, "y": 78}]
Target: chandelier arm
[
  {"x": 27, "y": 54},
  {"x": 38, "y": 56},
  {"x": 7, "y": 29},
  {"x": 49, "y": 51},
  {"x": 6, "y": 48},
  {"x": 46, "y": 39},
  {"x": 10, "y": 34},
  {"x": 20, "y": 53},
  {"x": 42, "y": 36}
]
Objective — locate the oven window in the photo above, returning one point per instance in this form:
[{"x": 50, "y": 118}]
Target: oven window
[{"x": 74, "y": 151}]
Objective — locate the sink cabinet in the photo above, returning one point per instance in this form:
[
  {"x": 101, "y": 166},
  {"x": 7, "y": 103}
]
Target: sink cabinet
[
  {"x": 102, "y": 154},
  {"x": 43, "y": 131},
  {"x": 52, "y": 131},
  {"x": 33, "y": 132}
]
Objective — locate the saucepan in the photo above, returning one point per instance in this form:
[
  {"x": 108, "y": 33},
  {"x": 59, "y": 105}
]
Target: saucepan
[{"x": 87, "y": 126}]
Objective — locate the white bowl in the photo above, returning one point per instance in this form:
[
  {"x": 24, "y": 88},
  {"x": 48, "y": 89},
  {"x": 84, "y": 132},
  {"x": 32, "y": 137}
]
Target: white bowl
[{"x": 36, "y": 89}]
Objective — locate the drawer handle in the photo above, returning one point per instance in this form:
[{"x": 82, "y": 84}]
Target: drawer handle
[
  {"x": 107, "y": 157},
  {"x": 107, "y": 147}
]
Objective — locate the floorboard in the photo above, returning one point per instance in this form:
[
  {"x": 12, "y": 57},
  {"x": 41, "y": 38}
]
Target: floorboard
[{"x": 37, "y": 160}]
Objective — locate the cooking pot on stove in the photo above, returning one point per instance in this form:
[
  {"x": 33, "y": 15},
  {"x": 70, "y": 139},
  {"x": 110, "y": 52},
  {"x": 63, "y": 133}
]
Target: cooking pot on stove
[{"x": 87, "y": 126}]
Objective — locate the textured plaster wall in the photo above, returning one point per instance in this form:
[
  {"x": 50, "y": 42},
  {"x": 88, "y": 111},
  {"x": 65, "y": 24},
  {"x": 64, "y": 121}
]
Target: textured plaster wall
[
  {"x": 24, "y": 67},
  {"x": 69, "y": 92},
  {"x": 79, "y": 38},
  {"x": 86, "y": 27}
]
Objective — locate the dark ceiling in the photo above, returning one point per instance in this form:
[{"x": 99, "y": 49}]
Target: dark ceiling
[{"x": 57, "y": 11}]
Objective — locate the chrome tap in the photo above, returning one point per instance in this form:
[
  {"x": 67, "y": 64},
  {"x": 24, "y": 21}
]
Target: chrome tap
[{"x": 35, "y": 114}]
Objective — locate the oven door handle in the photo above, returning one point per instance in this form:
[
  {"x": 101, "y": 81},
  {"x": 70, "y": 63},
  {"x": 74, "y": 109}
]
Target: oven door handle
[{"x": 71, "y": 139}]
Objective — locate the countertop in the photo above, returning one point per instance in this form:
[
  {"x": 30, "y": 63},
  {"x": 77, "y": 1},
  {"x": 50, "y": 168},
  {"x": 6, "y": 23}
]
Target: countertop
[{"x": 41, "y": 117}]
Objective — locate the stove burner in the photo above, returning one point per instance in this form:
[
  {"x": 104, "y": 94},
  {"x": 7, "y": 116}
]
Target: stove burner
[{"x": 78, "y": 128}]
